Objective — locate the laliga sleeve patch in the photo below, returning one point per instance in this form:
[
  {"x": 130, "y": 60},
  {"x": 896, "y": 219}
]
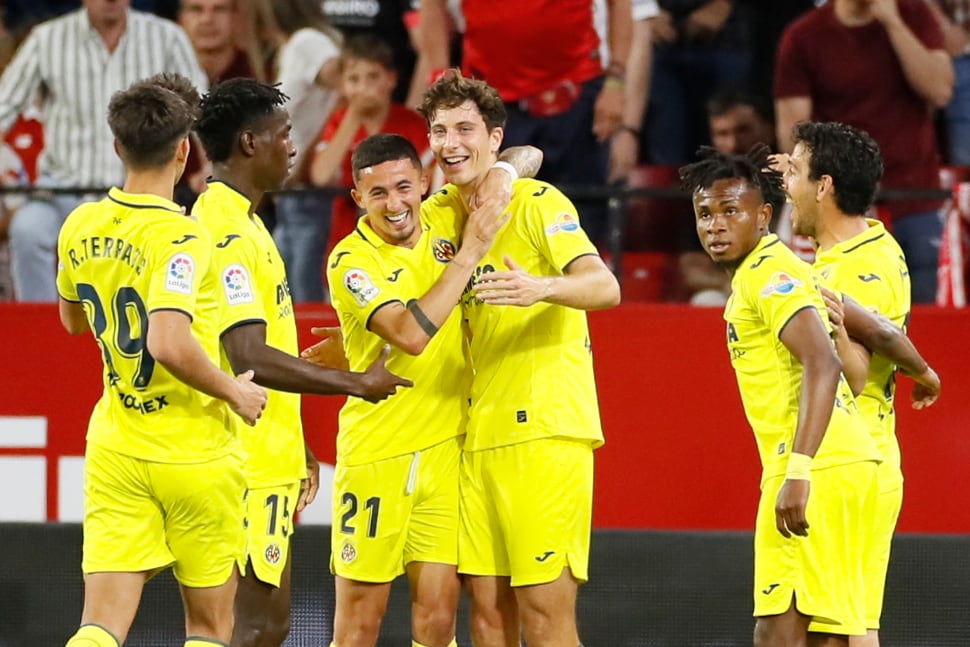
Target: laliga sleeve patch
[
  {"x": 181, "y": 269},
  {"x": 565, "y": 222},
  {"x": 360, "y": 286},
  {"x": 781, "y": 283},
  {"x": 236, "y": 283}
]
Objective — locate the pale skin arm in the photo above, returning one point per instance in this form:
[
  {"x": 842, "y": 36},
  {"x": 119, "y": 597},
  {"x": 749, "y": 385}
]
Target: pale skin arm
[
  {"x": 855, "y": 357},
  {"x": 625, "y": 145},
  {"x": 171, "y": 343},
  {"x": 788, "y": 112},
  {"x": 327, "y": 163},
  {"x": 497, "y": 183},
  {"x": 608, "y": 110},
  {"x": 587, "y": 284},
  {"x": 72, "y": 316},
  {"x": 433, "y": 26},
  {"x": 955, "y": 36},
  {"x": 928, "y": 72},
  {"x": 806, "y": 338},
  {"x": 399, "y": 325}
]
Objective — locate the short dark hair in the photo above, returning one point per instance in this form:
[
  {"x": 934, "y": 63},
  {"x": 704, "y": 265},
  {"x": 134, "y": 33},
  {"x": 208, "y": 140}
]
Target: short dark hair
[
  {"x": 232, "y": 107},
  {"x": 367, "y": 47},
  {"x": 724, "y": 100},
  {"x": 181, "y": 86},
  {"x": 148, "y": 122},
  {"x": 754, "y": 167},
  {"x": 380, "y": 148},
  {"x": 453, "y": 89},
  {"x": 849, "y": 156}
]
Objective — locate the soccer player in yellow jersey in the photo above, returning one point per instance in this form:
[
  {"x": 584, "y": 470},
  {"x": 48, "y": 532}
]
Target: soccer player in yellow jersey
[
  {"x": 527, "y": 467},
  {"x": 831, "y": 177},
  {"x": 811, "y": 437},
  {"x": 163, "y": 481},
  {"x": 398, "y": 278},
  {"x": 245, "y": 130}
]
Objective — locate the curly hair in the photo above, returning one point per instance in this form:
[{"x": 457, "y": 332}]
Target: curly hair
[
  {"x": 230, "y": 108},
  {"x": 755, "y": 167},
  {"x": 453, "y": 89},
  {"x": 849, "y": 156}
]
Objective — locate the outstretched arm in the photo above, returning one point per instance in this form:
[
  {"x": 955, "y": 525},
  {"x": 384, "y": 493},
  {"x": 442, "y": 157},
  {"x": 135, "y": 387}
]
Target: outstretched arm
[{"x": 246, "y": 346}]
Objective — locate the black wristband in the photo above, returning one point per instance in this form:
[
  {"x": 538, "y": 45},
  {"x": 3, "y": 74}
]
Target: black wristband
[{"x": 426, "y": 324}]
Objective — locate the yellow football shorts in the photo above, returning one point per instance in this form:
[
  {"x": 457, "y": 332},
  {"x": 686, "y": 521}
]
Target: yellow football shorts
[
  {"x": 878, "y": 542},
  {"x": 526, "y": 511},
  {"x": 269, "y": 526},
  {"x": 390, "y": 513},
  {"x": 824, "y": 570},
  {"x": 144, "y": 516}
]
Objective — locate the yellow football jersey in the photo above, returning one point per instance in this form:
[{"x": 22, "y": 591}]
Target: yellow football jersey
[
  {"x": 770, "y": 287},
  {"x": 871, "y": 268},
  {"x": 533, "y": 367},
  {"x": 365, "y": 273},
  {"x": 123, "y": 258},
  {"x": 252, "y": 288}
]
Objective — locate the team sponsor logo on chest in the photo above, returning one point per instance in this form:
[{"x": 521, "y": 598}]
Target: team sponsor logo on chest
[
  {"x": 360, "y": 286},
  {"x": 443, "y": 250},
  {"x": 181, "y": 269},
  {"x": 238, "y": 286}
]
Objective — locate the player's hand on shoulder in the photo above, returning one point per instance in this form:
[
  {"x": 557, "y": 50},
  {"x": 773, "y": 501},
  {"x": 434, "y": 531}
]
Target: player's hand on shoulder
[
  {"x": 249, "y": 398},
  {"x": 377, "y": 382},
  {"x": 329, "y": 352},
  {"x": 497, "y": 184}
]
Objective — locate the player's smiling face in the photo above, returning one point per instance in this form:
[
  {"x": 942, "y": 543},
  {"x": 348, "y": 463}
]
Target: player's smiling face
[
  {"x": 803, "y": 192},
  {"x": 731, "y": 218},
  {"x": 462, "y": 143},
  {"x": 390, "y": 193}
]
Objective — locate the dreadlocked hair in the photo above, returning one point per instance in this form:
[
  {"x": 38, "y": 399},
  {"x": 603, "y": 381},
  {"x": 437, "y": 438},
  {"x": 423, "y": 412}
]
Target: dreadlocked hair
[
  {"x": 230, "y": 108},
  {"x": 754, "y": 167}
]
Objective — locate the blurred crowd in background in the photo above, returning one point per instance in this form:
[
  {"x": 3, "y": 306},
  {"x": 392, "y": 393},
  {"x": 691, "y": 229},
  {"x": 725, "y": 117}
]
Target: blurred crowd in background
[{"x": 617, "y": 93}]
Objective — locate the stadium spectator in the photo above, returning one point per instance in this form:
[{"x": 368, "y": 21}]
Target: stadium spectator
[
  {"x": 209, "y": 26},
  {"x": 162, "y": 473},
  {"x": 560, "y": 95},
  {"x": 367, "y": 80},
  {"x": 625, "y": 142},
  {"x": 954, "y": 17},
  {"x": 81, "y": 59},
  {"x": 523, "y": 539},
  {"x": 811, "y": 438},
  {"x": 307, "y": 65},
  {"x": 883, "y": 68},
  {"x": 245, "y": 130},
  {"x": 831, "y": 177},
  {"x": 700, "y": 46},
  {"x": 393, "y": 21}
]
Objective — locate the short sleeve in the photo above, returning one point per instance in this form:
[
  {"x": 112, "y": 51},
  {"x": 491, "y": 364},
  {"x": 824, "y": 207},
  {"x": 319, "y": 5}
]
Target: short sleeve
[
  {"x": 780, "y": 291},
  {"x": 240, "y": 300},
  {"x": 177, "y": 266},
  {"x": 555, "y": 226},
  {"x": 357, "y": 283}
]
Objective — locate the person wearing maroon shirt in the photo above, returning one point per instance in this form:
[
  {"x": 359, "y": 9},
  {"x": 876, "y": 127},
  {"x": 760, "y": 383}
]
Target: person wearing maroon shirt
[
  {"x": 543, "y": 58},
  {"x": 881, "y": 66}
]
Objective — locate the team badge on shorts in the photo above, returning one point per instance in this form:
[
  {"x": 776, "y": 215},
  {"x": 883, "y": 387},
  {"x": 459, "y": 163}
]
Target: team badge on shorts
[
  {"x": 443, "y": 250},
  {"x": 181, "y": 267},
  {"x": 273, "y": 554},
  {"x": 565, "y": 222},
  {"x": 781, "y": 283},
  {"x": 348, "y": 553},
  {"x": 360, "y": 286}
]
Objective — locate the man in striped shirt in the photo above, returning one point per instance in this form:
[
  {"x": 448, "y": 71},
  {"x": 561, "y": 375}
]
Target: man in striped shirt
[{"x": 79, "y": 60}]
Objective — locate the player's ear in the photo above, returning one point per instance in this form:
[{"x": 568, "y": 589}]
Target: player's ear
[
  {"x": 356, "y": 195},
  {"x": 495, "y": 137},
  {"x": 247, "y": 143},
  {"x": 182, "y": 152},
  {"x": 825, "y": 186}
]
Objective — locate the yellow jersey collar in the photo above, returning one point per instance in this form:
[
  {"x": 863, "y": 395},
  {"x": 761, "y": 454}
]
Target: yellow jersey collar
[
  {"x": 875, "y": 231},
  {"x": 237, "y": 204},
  {"x": 142, "y": 200}
]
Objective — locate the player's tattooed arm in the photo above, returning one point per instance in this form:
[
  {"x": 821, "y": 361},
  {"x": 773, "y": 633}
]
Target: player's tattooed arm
[{"x": 525, "y": 159}]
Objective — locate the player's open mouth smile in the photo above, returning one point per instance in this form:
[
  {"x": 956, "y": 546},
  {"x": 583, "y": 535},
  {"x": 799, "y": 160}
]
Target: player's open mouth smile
[
  {"x": 398, "y": 218},
  {"x": 455, "y": 160}
]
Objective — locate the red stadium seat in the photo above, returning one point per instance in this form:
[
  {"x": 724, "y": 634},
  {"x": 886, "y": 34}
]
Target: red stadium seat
[{"x": 653, "y": 223}]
